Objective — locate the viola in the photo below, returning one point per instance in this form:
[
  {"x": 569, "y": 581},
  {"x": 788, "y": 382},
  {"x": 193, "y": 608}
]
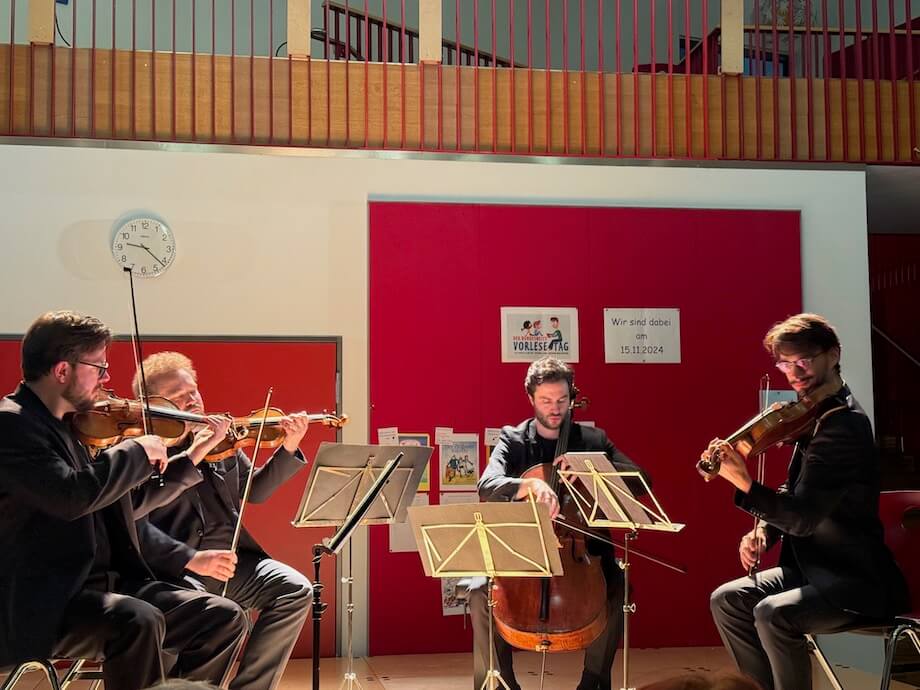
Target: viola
[
  {"x": 113, "y": 419},
  {"x": 778, "y": 424}
]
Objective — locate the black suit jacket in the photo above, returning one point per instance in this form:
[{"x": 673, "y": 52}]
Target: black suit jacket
[
  {"x": 827, "y": 514},
  {"x": 49, "y": 490},
  {"x": 517, "y": 450},
  {"x": 183, "y": 517}
]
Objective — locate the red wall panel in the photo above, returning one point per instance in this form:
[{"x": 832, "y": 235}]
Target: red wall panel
[
  {"x": 234, "y": 376},
  {"x": 439, "y": 274}
]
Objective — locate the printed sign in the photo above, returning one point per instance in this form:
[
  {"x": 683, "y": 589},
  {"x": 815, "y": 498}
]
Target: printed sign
[
  {"x": 647, "y": 336},
  {"x": 529, "y": 333}
]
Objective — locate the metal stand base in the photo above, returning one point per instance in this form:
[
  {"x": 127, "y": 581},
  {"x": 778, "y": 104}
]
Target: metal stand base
[
  {"x": 493, "y": 679},
  {"x": 350, "y": 679}
]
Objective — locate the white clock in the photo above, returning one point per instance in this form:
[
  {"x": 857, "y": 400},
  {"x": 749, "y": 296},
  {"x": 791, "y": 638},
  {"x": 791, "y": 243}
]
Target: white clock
[{"x": 144, "y": 245}]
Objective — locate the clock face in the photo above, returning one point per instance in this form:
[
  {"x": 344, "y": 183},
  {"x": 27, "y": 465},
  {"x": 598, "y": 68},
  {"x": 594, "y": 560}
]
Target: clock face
[{"x": 145, "y": 245}]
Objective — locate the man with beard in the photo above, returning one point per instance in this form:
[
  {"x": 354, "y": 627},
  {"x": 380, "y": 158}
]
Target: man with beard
[
  {"x": 549, "y": 384},
  {"x": 201, "y": 522},
  {"x": 835, "y": 571},
  {"x": 74, "y": 582}
]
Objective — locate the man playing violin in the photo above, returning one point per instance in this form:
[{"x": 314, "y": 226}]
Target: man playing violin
[
  {"x": 834, "y": 571},
  {"x": 74, "y": 581},
  {"x": 202, "y": 520},
  {"x": 549, "y": 384}
]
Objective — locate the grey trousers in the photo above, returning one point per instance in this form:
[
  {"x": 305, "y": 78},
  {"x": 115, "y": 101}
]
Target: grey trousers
[
  {"x": 282, "y": 595},
  {"x": 157, "y": 631},
  {"x": 763, "y": 621},
  {"x": 598, "y": 655}
]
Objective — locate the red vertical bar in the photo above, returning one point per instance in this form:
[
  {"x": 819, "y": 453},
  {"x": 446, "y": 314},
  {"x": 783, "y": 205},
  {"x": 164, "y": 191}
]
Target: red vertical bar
[
  {"x": 386, "y": 60},
  {"x": 910, "y": 79},
  {"x": 776, "y": 151},
  {"x": 670, "y": 79},
  {"x": 329, "y": 70},
  {"x": 402, "y": 72},
  {"x": 635, "y": 71},
  {"x": 893, "y": 75},
  {"x": 705, "y": 109},
  {"x": 367, "y": 54},
  {"x": 271, "y": 71},
  {"x": 843, "y": 80},
  {"x": 494, "y": 80},
  {"x": 290, "y": 91},
  {"x": 530, "y": 117},
  {"x": 793, "y": 116},
  {"x": 112, "y": 75},
  {"x": 195, "y": 76},
  {"x": 421, "y": 105},
  {"x": 860, "y": 82},
  {"x": 92, "y": 78},
  {"x": 810, "y": 71},
  {"x": 213, "y": 72},
  {"x": 512, "y": 73},
  {"x": 173, "y": 69},
  {"x": 584, "y": 87},
  {"x": 687, "y": 91},
  {"x": 476, "y": 75},
  {"x": 549, "y": 64},
  {"x": 827, "y": 78},
  {"x": 337, "y": 34},
  {"x": 619, "y": 80},
  {"x": 653, "y": 77},
  {"x": 252, "y": 81},
  {"x": 153, "y": 69},
  {"x": 601, "y": 83},
  {"x": 565, "y": 76},
  {"x": 458, "y": 71},
  {"x": 233, "y": 70},
  {"x": 73, "y": 115},
  {"x": 758, "y": 72},
  {"x": 876, "y": 66},
  {"x": 51, "y": 129}
]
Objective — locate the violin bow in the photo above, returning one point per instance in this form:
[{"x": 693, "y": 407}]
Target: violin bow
[
  {"x": 146, "y": 417},
  {"x": 761, "y": 458},
  {"x": 252, "y": 470}
]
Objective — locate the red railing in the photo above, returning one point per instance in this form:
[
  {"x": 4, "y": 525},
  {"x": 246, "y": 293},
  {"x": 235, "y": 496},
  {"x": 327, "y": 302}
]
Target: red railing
[{"x": 822, "y": 80}]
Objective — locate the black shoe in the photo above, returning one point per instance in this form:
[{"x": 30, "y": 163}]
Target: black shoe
[{"x": 592, "y": 681}]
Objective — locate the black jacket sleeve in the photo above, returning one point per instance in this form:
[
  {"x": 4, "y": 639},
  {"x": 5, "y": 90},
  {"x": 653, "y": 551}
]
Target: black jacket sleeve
[{"x": 180, "y": 474}]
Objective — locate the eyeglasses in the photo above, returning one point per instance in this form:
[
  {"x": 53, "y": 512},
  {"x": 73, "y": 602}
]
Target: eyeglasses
[
  {"x": 803, "y": 363},
  {"x": 102, "y": 368}
]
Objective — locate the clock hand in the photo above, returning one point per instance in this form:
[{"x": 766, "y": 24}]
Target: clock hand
[{"x": 147, "y": 249}]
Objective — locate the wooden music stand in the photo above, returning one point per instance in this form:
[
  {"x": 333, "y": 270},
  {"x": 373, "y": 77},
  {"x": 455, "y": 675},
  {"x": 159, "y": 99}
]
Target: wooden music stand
[
  {"x": 487, "y": 539},
  {"x": 604, "y": 500},
  {"x": 351, "y": 485}
]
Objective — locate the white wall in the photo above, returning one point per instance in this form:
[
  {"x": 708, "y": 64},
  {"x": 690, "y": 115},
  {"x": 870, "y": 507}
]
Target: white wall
[{"x": 277, "y": 244}]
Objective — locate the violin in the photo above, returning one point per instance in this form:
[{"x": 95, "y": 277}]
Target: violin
[
  {"x": 778, "y": 424},
  {"x": 113, "y": 419}
]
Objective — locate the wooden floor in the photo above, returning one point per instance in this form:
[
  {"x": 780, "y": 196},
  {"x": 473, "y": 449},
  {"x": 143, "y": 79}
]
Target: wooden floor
[{"x": 453, "y": 671}]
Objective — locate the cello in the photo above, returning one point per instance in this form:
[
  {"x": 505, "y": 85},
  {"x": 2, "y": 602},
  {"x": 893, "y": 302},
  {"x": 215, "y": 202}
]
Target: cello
[{"x": 562, "y": 613}]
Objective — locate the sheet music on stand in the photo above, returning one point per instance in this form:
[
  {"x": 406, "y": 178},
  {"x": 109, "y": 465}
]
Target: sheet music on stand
[
  {"x": 604, "y": 499},
  {"x": 351, "y": 485},
  {"x": 341, "y": 475},
  {"x": 486, "y": 539}
]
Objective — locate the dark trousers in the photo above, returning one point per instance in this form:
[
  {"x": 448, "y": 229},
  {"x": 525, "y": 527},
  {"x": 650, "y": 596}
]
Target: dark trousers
[
  {"x": 157, "y": 631},
  {"x": 598, "y": 655},
  {"x": 282, "y": 596},
  {"x": 763, "y": 621}
]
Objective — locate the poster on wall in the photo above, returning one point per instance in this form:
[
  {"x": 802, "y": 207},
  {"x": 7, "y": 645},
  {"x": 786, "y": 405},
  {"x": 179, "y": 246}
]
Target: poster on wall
[
  {"x": 529, "y": 333},
  {"x": 459, "y": 463},
  {"x": 644, "y": 336},
  {"x": 406, "y": 439}
]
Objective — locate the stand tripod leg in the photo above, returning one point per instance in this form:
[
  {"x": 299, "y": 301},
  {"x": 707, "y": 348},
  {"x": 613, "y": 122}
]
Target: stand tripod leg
[
  {"x": 493, "y": 677},
  {"x": 350, "y": 679},
  {"x": 628, "y": 608},
  {"x": 318, "y": 608}
]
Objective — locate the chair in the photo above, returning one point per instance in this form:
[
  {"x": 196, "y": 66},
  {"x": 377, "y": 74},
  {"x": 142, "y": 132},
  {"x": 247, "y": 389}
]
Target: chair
[
  {"x": 74, "y": 672},
  {"x": 899, "y": 512}
]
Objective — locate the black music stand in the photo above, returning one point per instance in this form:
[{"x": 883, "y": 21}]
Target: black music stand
[
  {"x": 605, "y": 500},
  {"x": 351, "y": 485},
  {"x": 487, "y": 539}
]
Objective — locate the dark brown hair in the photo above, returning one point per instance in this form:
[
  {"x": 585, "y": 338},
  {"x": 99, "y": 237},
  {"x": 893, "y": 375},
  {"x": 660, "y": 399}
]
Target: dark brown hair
[
  {"x": 60, "y": 336},
  {"x": 547, "y": 370},
  {"x": 802, "y": 333}
]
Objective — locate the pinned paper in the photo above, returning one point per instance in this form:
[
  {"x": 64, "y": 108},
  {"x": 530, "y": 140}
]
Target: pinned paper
[
  {"x": 388, "y": 436},
  {"x": 443, "y": 435},
  {"x": 492, "y": 436}
]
